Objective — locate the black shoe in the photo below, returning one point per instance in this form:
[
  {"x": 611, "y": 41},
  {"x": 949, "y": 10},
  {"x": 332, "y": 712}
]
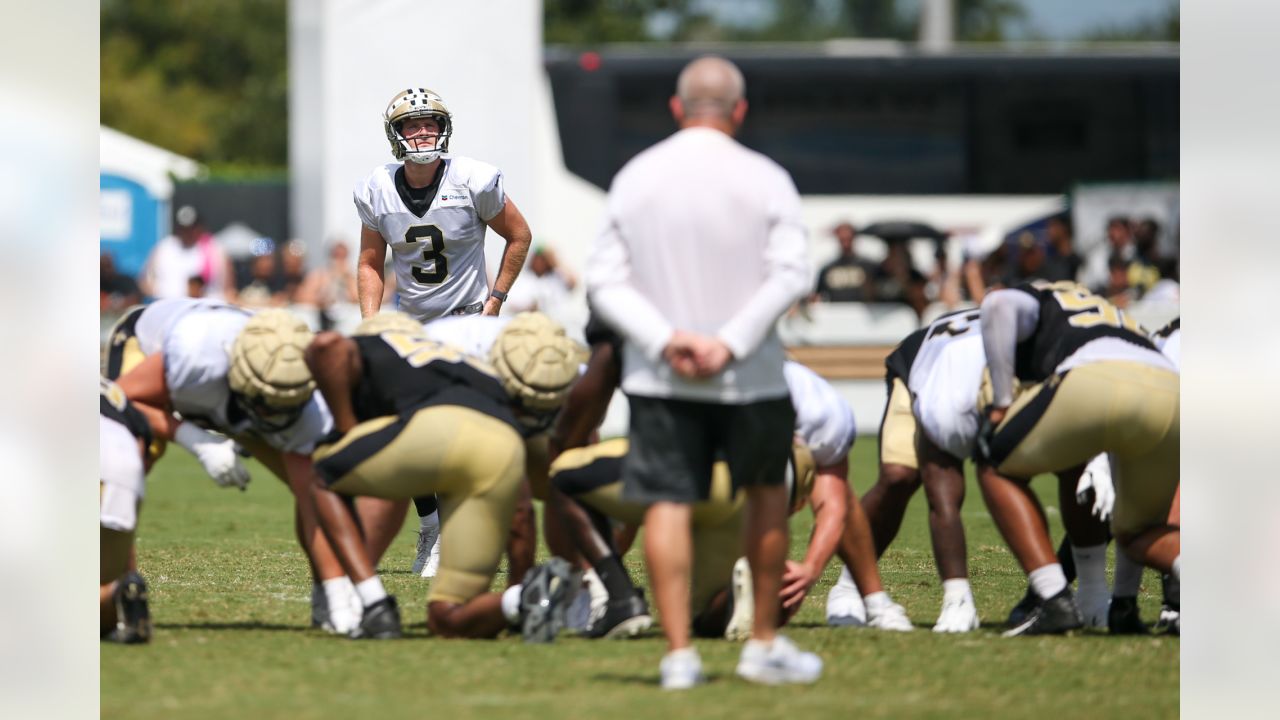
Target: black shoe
[
  {"x": 622, "y": 618},
  {"x": 1123, "y": 618},
  {"x": 380, "y": 621},
  {"x": 1053, "y": 616},
  {"x": 543, "y": 598},
  {"x": 1170, "y": 611},
  {"x": 133, "y": 617},
  {"x": 1024, "y": 607}
]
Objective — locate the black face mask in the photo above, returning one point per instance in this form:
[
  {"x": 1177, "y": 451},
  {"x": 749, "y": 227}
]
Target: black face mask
[{"x": 263, "y": 417}]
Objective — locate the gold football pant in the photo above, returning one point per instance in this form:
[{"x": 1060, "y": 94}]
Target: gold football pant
[
  {"x": 470, "y": 461},
  {"x": 899, "y": 431},
  {"x": 1124, "y": 408}
]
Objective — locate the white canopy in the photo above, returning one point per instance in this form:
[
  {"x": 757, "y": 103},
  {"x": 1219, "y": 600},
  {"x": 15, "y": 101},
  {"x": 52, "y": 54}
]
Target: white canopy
[{"x": 143, "y": 162}]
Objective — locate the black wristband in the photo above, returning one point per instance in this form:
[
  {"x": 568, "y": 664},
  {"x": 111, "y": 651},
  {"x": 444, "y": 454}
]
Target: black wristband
[{"x": 498, "y": 294}]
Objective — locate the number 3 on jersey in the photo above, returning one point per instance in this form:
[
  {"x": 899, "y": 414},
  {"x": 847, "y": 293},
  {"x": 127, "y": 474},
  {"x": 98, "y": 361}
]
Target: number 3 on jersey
[{"x": 433, "y": 254}]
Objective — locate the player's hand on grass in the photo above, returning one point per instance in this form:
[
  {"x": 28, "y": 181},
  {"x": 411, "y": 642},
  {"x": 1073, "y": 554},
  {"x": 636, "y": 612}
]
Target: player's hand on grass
[
  {"x": 796, "y": 581},
  {"x": 220, "y": 456}
]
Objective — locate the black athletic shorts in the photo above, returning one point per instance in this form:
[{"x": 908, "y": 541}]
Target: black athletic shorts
[{"x": 675, "y": 442}]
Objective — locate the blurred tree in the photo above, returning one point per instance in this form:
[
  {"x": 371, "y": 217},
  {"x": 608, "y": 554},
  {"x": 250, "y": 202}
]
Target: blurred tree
[
  {"x": 1161, "y": 26},
  {"x": 205, "y": 79}
]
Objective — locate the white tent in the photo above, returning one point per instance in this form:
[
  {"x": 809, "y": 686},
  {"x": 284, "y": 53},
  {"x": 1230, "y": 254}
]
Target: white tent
[{"x": 144, "y": 163}]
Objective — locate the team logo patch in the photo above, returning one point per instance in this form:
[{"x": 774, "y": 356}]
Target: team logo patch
[{"x": 452, "y": 197}]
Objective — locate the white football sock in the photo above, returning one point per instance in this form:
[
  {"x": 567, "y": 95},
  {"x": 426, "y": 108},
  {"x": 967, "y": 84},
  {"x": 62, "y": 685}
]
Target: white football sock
[
  {"x": 1176, "y": 570},
  {"x": 1091, "y": 568},
  {"x": 337, "y": 591},
  {"x": 956, "y": 588},
  {"x": 877, "y": 600},
  {"x": 1048, "y": 581},
  {"x": 371, "y": 590},
  {"x": 511, "y": 603},
  {"x": 1128, "y": 578}
]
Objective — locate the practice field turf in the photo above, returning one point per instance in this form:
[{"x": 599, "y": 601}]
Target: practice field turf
[{"x": 230, "y": 600}]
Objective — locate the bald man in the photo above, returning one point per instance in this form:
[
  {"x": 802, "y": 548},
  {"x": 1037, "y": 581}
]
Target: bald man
[{"x": 702, "y": 365}]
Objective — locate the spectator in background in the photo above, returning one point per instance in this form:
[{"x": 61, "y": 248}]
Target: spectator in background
[
  {"x": 1029, "y": 259},
  {"x": 1119, "y": 244},
  {"x": 1062, "y": 262},
  {"x": 547, "y": 287},
  {"x": 331, "y": 289},
  {"x": 897, "y": 280},
  {"x": 189, "y": 252},
  {"x": 1118, "y": 290},
  {"x": 293, "y": 269},
  {"x": 265, "y": 288},
  {"x": 116, "y": 291},
  {"x": 1145, "y": 267},
  {"x": 848, "y": 278}
]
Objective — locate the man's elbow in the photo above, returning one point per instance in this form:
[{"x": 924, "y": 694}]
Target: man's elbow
[{"x": 325, "y": 345}]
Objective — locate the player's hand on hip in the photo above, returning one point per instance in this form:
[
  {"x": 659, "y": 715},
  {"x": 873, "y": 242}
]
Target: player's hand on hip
[{"x": 491, "y": 307}]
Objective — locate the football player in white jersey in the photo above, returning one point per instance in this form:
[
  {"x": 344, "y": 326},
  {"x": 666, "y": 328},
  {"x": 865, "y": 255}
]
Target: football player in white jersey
[
  {"x": 202, "y": 361},
  {"x": 432, "y": 208}
]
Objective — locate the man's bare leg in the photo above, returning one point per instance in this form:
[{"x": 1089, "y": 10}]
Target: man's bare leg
[
  {"x": 479, "y": 617},
  {"x": 886, "y": 502},
  {"x": 766, "y": 543},
  {"x": 382, "y": 521},
  {"x": 668, "y": 550}
]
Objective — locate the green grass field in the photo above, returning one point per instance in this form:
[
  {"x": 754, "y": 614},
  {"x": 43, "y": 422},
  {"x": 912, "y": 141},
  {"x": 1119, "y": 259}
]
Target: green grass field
[{"x": 230, "y": 601}]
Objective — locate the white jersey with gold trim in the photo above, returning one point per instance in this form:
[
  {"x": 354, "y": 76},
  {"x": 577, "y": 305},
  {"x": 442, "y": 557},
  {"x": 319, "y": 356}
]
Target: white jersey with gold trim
[
  {"x": 944, "y": 382},
  {"x": 437, "y": 242},
  {"x": 824, "y": 421}
]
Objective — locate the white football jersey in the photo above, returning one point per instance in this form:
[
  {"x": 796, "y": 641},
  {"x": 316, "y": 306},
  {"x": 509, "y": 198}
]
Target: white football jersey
[
  {"x": 156, "y": 319},
  {"x": 437, "y": 248},
  {"x": 472, "y": 334},
  {"x": 945, "y": 379},
  {"x": 824, "y": 421},
  {"x": 196, "y": 363}
]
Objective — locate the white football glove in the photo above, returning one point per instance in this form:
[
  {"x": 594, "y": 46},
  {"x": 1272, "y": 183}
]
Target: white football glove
[
  {"x": 219, "y": 456},
  {"x": 1097, "y": 475}
]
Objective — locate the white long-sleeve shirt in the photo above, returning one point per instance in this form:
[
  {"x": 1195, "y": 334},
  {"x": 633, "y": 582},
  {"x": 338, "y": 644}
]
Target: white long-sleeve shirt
[{"x": 704, "y": 235}]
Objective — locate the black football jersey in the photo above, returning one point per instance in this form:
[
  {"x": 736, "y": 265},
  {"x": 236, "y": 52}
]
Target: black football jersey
[
  {"x": 1174, "y": 326},
  {"x": 898, "y": 363},
  {"x": 115, "y": 405},
  {"x": 1070, "y": 317},
  {"x": 403, "y": 374}
]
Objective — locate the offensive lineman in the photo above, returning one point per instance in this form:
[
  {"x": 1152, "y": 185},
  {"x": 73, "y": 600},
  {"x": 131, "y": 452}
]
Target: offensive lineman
[
  {"x": 1099, "y": 386},
  {"x": 432, "y": 208},
  {"x": 222, "y": 368},
  {"x": 417, "y": 417}
]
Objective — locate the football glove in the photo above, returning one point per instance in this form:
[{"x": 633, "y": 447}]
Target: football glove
[
  {"x": 1097, "y": 476},
  {"x": 986, "y": 433},
  {"x": 219, "y": 456}
]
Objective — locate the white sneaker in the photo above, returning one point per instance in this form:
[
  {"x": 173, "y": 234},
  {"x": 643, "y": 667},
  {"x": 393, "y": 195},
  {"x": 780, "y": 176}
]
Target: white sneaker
[
  {"x": 744, "y": 607},
  {"x": 959, "y": 615},
  {"x": 890, "y": 616},
  {"x": 844, "y": 602},
  {"x": 681, "y": 669},
  {"x": 427, "y": 561},
  {"x": 778, "y": 662},
  {"x": 338, "y": 617}
]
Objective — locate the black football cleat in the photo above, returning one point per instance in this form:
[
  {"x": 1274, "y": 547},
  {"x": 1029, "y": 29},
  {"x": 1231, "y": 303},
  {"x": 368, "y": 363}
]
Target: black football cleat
[
  {"x": 623, "y": 618},
  {"x": 133, "y": 617},
  {"x": 543, "y": 600},
  {"x": 380, "y": 621},
  {"x": 1024, "y": 607},
  {"x": 1053, "y": 616},
  {"x": 1123, "y": 617},
  {"x": 1171, "y": 609}
]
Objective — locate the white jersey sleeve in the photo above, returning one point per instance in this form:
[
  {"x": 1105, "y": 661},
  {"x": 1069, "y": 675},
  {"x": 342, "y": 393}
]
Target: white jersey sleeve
[
  {"x": 364, "y": 204},
  {"x": 487, "y": 193},
  {"x": 824, "y": 421},
  {"x": 944, "y": 382}
]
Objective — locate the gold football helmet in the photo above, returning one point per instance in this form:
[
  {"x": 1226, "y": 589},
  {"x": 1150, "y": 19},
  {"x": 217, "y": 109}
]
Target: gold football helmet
[
  {"x": 269, "y": 376},
  {"x": 417, "y": 103},
  {"x": 391, "y": 321},
  {"x": 536, "y": 362}
]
